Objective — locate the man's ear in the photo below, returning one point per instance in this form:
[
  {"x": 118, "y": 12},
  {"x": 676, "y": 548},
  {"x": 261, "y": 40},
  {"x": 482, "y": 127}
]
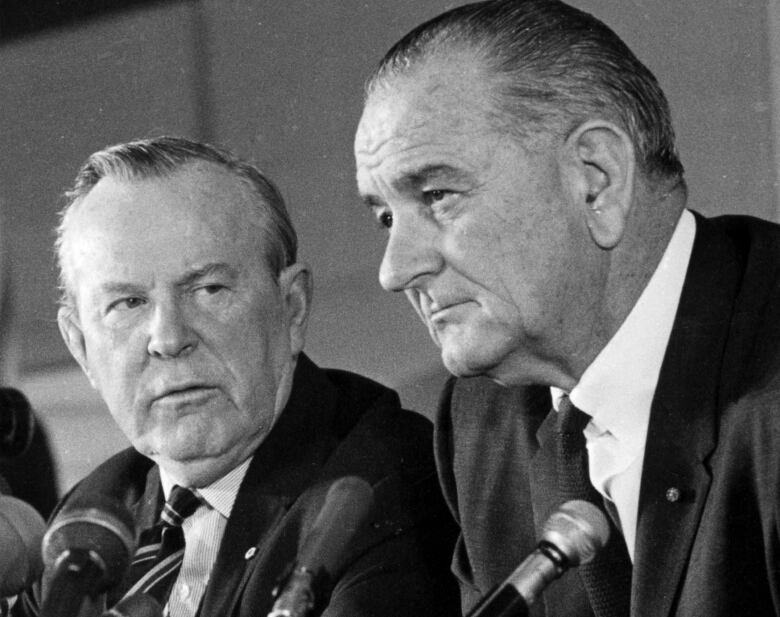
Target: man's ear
[
  {"x": 599, "y": 170},
  {"x": 72, "y": 334},
  {"x": 296, "y": 285}
]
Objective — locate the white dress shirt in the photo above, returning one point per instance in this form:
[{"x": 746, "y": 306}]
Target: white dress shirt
[
  {"x": 203, "y": 532},
  {"x": 617, "y": 389}
]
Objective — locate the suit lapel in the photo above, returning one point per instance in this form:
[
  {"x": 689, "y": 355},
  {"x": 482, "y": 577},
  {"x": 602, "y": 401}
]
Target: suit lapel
[
  {"x": 283, "y": 466},
  {"x": 681, "y": 434},
  {"x": 252, "y": 521}
]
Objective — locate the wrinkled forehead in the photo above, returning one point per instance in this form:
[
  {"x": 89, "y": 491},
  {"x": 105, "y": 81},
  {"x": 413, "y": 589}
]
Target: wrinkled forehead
[
  {"x": 193, "y": 187},
  {"x": 441, "y": 93},
  {"x": 135, "y": 221}
]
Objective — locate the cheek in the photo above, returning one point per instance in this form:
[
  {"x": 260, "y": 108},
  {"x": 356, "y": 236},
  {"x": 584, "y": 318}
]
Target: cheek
[
  {"x": 114, "y": 370},
  {"x": 115, "y": 366},
  {"x": 477, "y": 247},
  {"x": 255, "y": 355}
]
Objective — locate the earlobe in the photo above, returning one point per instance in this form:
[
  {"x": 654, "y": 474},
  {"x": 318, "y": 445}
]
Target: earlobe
[
  {"x": 602, "y": 179},
  {"x": 296, "y": 284},
  {"x": 72, "y": 334}
]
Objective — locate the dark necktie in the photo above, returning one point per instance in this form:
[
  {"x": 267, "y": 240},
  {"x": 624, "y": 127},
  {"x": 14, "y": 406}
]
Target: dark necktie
[
  {"x": 607, "y": 578},
  {"x": 157, "y": 561}
]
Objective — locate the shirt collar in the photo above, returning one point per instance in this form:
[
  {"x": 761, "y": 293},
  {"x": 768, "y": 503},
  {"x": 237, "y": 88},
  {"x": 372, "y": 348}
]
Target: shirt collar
[
  {"x": 221, "y": 494},
  {"x": 617, "y": 389}
]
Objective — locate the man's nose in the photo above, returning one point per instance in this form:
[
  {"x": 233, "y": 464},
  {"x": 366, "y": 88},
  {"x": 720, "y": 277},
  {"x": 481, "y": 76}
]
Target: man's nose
[
  {"x": 411, "y": 254},
  {"x": 170, "y": 335}
]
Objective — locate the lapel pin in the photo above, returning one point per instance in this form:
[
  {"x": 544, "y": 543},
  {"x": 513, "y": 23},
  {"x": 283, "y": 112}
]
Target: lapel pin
[
  {"x": 673, "y": 494},
  {"x": 250, "y": 553}
]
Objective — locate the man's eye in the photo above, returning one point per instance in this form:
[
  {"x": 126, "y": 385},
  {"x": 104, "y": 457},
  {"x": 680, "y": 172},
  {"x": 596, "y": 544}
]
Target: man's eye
[
  {"x": 434, "y": 195},
  {"x": 126, "y": 304},
  {"x": 385, "y": 219},
  {"x": 210, "y": 290}
]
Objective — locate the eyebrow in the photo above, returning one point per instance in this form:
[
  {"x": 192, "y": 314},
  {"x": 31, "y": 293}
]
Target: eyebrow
[
  {"x": 119, "y": 289},
  {"x": 418, "y": 177},
  {"x": 430, "y": 172},
  {"x": 195, "y": 275},
  {"x": 206, "y": 270}
]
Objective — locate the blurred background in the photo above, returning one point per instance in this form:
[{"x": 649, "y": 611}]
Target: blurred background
[{"x": 281, "y": 83}]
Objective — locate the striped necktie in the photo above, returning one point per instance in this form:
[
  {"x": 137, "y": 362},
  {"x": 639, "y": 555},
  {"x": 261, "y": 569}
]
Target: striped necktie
[
  {"x": 607, "y": 578},
  {"x": 157, "y": 561}
]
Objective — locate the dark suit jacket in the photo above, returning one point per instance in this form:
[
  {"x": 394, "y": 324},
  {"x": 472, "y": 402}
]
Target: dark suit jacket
[
  {"x": 335, "y": 424},
  {"x": 714, "y": 435}
]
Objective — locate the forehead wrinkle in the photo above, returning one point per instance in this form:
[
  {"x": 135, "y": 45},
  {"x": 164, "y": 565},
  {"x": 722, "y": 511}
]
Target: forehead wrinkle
[
  {"x": 427, "y": 127},
  {"x": 412, "y": 175},
  {"x": 112, "y": 288}
]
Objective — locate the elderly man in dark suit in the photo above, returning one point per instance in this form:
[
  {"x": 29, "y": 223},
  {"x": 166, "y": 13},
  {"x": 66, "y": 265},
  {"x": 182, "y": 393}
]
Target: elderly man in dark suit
[
  {"x": 523, "y": 162},
  {"x": 186, "y": 307}
]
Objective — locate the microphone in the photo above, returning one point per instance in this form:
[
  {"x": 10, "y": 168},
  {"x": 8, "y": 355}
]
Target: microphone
[
  {"x": 344, "y": 511},
  {"x": 21, "y": 531},
  {"x": 17, "y": 423},
  {"x": 136, "y": 605},
  {"x": 86, "y": 551},
  {"x": 571, "y": 536}
]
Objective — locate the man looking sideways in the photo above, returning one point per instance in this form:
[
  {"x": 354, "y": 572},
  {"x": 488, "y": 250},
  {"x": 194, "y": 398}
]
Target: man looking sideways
[
  {"x": 523, "y": 162},
  {"x": 185, "y": 306}
]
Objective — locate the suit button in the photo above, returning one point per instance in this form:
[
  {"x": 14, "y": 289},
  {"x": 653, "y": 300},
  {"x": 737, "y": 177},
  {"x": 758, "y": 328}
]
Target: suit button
[{"x": 673, "y": 494}]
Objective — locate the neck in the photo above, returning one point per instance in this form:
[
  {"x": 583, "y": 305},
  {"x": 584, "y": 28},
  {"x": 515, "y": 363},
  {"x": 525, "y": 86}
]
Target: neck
[
  {"x": 615, "y": 282},
  {"x": 632, "y": 263}
]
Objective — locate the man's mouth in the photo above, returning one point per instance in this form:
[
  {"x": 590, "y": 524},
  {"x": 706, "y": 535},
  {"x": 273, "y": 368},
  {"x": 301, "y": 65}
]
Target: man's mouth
[
  {"x": 185, "y": 395},
  {"x": 437, "y": 313}
]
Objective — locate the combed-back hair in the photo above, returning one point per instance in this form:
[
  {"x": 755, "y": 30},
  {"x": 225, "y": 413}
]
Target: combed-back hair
[
  {"x": 160, "y": 157},
  {"x": 553, "y": 67}
]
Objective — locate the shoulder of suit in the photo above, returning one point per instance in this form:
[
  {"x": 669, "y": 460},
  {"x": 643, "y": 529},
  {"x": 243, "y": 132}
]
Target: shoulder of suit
[
  {"x": 122, "y": 477},
  {"x": 369, "y": 418}
]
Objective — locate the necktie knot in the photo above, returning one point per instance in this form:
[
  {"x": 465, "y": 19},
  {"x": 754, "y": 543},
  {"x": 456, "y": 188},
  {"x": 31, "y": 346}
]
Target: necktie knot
[
  {"x": 570, "y": 419},
  {"x": 182, "y": 502}
]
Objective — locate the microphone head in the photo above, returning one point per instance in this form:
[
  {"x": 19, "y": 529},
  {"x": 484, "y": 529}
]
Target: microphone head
[
  {"x": 17, "y": 423},
  {"x": 345, "y": 509},
  {"x": 136, "y": 605},
  {"x": 21, "y": 531},
  {"x": 94, "y": 523},
  {"x": 578, "y": 529}
]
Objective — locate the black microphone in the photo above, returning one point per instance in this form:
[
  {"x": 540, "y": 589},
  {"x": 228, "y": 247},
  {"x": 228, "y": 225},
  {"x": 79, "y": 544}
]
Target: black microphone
[
  {"x": 136, "y": 605},
  {"x": 571, "y": 536},
  {"x": 21, "y": 531},
  {"x": 86, "y": 551},
  {"x": 17, "y": 423},
  {"x": 344, "y": 511}
]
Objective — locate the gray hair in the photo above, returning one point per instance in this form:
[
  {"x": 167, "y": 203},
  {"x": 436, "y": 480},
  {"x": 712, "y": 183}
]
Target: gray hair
[
  {"x": 554, "y": 67},
  {"x": 160, "y": 157}
]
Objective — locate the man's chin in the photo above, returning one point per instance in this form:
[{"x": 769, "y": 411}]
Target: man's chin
[
  {"x": 179, "y": 446},
  {"x": 190, "y": 468},
  {"x": 171, "y": 452},
  {"x": 463, "y": 363}
]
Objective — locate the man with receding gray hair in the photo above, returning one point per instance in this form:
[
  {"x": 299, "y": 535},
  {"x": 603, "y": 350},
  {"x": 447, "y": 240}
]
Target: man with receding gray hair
[
  {"x": 186, "y": 307},
  {"x": 523, "y": 162}
]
